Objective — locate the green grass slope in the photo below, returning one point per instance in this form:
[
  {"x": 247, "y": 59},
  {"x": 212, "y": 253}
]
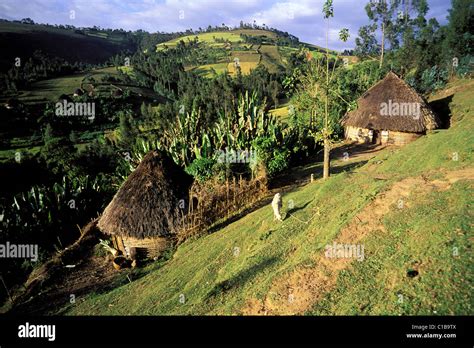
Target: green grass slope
[
  {"x": 51, "y": 89},
  {"x": 257, "y": 266}
]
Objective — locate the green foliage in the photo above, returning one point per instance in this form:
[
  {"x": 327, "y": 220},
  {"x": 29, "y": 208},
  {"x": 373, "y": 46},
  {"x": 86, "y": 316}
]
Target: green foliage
[
  {"x": 57, "y": 152},
  {"x": 459, "y": 40},
  {"x": 127, "y": 131},
  {"x": 344, "y": 34},
  {"x": 433, "y": 79},
  {"x": 273, "y": 156},
  {"x": 419, "y": 49},
  {"x": 48, "y": 134},
  {"x": 49, "y": 216},
  {"x": 328, "y": 9},
  {"x": 346, "y": 86},
  {"x": 466, "y": 66},
  {"x": 201, "y": 168},
  {"x": 366, "y": 43},
  {"x": 278, "y": 162}
]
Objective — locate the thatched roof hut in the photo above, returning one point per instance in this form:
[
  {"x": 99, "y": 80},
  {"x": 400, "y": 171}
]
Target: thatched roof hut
[
  {"x": 145, "y": 210},
  {"x": 389, "y": 112}
]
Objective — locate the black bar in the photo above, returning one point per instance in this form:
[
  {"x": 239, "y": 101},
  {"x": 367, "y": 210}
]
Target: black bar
[{"x": 248, "y": 331}]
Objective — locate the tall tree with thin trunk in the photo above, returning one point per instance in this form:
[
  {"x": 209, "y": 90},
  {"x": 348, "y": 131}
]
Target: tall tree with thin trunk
[
  {"x": 328, "y": 12},
  {"x": 381, "y": 13},
  {"x": 315, "y": 92}
]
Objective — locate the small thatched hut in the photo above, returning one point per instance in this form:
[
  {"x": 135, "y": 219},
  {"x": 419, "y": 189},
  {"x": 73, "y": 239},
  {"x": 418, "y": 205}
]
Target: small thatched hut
[
  {"x": 390, "y": 112},
  {"x": 144, "y": 213}
]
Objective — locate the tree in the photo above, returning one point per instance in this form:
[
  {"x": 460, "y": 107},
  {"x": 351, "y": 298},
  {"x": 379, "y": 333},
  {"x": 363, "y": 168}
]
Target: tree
[
  {"x": 126, "y": 129},
  {"x": 316, "y": 86},
  {"x": 48, "y": 135},
  {"x": 459, "y": 32},
  {"x": 27, "y": 21},
  {"x": 274, "y": 88},
  {"x": 381, "y": 12},
  {"x": 366, "y": 43}
]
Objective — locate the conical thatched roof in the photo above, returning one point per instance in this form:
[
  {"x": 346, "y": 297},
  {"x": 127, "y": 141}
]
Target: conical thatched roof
[
  {"x": 391, "y": 90},
  {"x": 147, "y": 203}
]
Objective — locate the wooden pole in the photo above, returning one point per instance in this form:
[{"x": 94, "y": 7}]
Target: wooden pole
[{"x": 8, "y": 292}]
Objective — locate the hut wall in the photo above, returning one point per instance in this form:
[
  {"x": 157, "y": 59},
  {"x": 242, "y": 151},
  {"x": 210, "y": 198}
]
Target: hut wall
[
  {"x": 401, "y": 138},
  {"x": 360, "y": 135},
  {"x": 117, "y": 242},
  {"x": 146, "y": 248}
]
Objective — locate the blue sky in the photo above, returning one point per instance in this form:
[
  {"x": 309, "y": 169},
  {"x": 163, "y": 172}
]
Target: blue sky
[{"x": 302, "y": 18}]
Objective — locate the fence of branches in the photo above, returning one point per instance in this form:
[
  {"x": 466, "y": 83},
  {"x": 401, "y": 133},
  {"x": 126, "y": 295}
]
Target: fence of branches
[{"x": 212, "y": 202}]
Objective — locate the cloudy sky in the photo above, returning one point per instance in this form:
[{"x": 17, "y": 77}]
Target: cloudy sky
[{"x": 302, "y": 18}]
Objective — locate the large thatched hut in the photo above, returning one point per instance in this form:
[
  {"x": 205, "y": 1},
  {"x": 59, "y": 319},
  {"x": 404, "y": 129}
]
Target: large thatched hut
[
  {"x": 390, "y": 112},
  {"x": 146, "y": 210}
]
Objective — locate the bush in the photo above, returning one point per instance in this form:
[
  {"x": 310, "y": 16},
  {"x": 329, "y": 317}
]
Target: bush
[
  {"x": 433, "y": 79},
  {"x": 279, "y": 162},
  {"x": 201, "y": 168},
  {"x": 274, "y": 157},
  {"x": 465, "y": 66}
]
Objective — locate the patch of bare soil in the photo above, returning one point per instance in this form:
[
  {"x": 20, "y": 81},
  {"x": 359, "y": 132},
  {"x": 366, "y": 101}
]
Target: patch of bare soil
[
  {"x": 92, "y": 274},
  {"x": 298, "y": 291},
  {"x": 66, "y": 277}
]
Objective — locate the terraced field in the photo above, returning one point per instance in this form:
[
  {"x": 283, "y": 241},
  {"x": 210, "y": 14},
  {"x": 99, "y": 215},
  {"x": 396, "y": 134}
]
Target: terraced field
[
  {"x": 249, "y": 56},
  {"x": 267, "y": 54},
  {"x": 210, "y": 38}
]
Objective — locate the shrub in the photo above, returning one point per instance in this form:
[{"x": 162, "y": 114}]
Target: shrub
[
  {"x": 279, "y": 162},
  {"x": 274, "y": 157},
  {"x": 201, "y": 168},
  {"x": 433, "y": 79},
  {"x": 465, "y": 66}
]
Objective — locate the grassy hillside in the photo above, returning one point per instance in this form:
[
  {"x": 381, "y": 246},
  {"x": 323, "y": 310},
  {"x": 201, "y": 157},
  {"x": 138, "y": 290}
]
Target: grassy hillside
[
  {"x": 52, "y": 89},
  {"x": 408, "y": 207},
  {"x": 21, "y": 40}
]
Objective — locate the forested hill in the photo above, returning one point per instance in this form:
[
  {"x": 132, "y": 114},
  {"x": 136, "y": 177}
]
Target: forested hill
[{"x": 20, "y": 39}]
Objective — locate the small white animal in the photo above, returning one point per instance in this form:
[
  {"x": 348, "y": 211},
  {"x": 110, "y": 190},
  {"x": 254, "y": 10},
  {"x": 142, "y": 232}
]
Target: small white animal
[{"x": 276, "y": 205}]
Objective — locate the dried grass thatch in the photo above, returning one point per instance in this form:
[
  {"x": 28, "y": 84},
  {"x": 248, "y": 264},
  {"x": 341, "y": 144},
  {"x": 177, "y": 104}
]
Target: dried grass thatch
[
  {"x": 391, "y": 88},
  {"x": 146, "y": 205}
]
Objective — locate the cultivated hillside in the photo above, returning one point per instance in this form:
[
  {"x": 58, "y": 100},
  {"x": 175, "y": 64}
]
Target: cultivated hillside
[
  {"x": 248, "y": 48},
  {"x": 408, "y": 207}
]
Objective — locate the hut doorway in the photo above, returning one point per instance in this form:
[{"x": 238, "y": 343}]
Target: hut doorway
[{"x": 376, "y": 137}]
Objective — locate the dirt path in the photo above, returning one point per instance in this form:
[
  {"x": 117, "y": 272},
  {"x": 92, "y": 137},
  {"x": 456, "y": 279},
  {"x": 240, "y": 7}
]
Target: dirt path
[{"x": 298, "y": 291}]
